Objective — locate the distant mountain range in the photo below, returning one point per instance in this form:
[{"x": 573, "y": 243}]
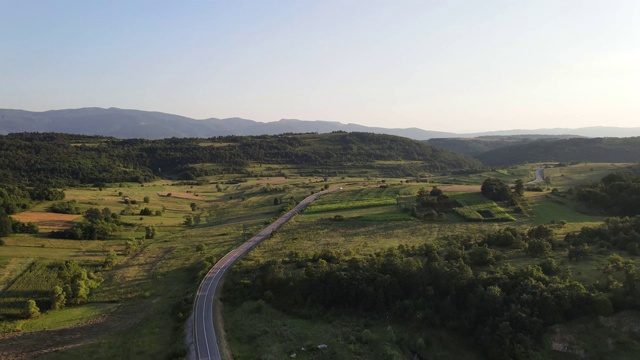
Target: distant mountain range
[{"x": 127, "y": 124}]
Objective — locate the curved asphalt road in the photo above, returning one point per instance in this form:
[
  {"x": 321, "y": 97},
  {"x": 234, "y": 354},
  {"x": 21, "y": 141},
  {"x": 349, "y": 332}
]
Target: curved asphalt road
[
  {"x": 539, "y": 177},
  {"x": 204, "y": 333}
]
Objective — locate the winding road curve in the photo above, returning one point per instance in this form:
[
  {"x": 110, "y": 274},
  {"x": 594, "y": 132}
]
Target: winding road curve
[
  {"x": 539, "y": 177},
  {"x": 204, "y": 333}
]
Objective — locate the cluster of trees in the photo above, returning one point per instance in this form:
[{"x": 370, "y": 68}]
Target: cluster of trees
[
  {"x": 96, "y": 225},
  {"x": 67, "y": 160},
  {"x": 505, "y": 309},
  {"x": 9, "y": 226},
  {"x": 617, "y": 233},
  {"x": 565, "y": 150},
  {"x": 14, "y": 199},
  {"x": 76, "y": 283},
  {"x": 432, "y": 204},
  {"x": 617, "y": 193},
  {"x": 497, "y": 190},
  {"x": 66, "y": 207}
]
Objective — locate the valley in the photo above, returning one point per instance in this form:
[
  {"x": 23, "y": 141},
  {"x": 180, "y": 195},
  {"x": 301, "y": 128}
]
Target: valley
[{"x": 394, "y": 265}]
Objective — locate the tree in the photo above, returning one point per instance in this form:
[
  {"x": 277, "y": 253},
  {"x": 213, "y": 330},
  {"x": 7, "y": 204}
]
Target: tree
[
  {"x": 5, "y": 224},
  {"x": 111, "y": 260},
  {"x": 188, "y": 220},
  {"x": 146, "y": 199},
  {"x": 58, "y": 298},
  {"x": 194, "y": 206},
  {"x": 519, "y": 188},
  {"x": 276, "y": 201},
  {"x": 435, "y": 191},
  {"x": 130, "y": 246},
  {"x": 496, "y": 190},
  {"x": 150, "y": 232},
  {"x": 539, "y": 248},
  {"x": 31, "y": 309}
]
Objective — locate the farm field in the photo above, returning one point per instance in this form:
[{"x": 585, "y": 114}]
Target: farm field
[
  {"x": 141, "y": 305},
  {"x": 158, "y": 278},
  {"x": 476, "y": 207},
  {"x": 314, "y": 233}
]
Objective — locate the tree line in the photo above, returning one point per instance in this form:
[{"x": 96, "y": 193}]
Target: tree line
[
  {"x": 460, "y": 286},
  {"x": 617, "y": 193},
  {"x": 59, "y": 160}
]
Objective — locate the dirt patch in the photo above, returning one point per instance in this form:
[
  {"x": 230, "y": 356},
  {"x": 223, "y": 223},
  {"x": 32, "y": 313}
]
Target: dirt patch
[
  {"x": 181, "y": 195},
  {"x": 47, "y": 220},
  {"x": 30, "y": 345},
  {"x": 464, "y": 188}
]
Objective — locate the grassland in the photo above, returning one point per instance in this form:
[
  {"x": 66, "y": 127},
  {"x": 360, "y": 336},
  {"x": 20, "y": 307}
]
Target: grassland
[
  {"x": 279, "y": 335},
  {"x": 140, "y": 308},
  {"x": 563, "y": 177}
]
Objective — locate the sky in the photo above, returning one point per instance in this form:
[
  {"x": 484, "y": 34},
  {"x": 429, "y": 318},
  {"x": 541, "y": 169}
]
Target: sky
[{"x": 460, "y": 66}]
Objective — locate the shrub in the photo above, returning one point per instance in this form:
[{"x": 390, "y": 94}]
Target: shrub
[
  {"x": 366, "y": 336},
  {"x": 579, "y": 252},
  {"x": 31, "y": 309},
  {"x": 538, "y": 248}
]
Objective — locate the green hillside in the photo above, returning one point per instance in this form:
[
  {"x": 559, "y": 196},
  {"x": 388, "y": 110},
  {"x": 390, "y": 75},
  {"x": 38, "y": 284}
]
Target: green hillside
[
  {"x": 68, "y": 160},
  {"x": 592, "y": 150},
  {"x": 478, "y": 145}
]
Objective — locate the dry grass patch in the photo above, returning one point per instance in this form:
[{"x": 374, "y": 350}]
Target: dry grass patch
[{"x": 47, "y": 220}]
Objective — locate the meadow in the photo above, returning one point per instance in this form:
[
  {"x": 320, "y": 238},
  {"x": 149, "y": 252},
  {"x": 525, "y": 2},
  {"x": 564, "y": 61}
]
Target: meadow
[{"x": 140, "y": 309}]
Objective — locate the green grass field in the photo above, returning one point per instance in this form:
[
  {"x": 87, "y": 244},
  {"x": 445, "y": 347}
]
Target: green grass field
[
  {"x": 548, "y": 209},
  {"x": 35, "y": 283},
  {"x": 476, "y": 207},
  {"x": 146, "y": 297}
]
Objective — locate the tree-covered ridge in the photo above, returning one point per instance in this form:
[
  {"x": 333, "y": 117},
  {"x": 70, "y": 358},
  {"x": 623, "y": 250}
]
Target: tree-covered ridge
[
  {"x": 617, "y": 193},
  {"x": 567, "y": 150},
  {"x": 68, "y": 160},
  {"x": 478, "y": 145}
]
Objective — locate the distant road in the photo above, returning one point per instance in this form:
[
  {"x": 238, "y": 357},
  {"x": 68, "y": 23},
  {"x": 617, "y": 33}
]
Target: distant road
[
  {"x": 204, "y": 333},
  {"x": 539, "y": 177}
]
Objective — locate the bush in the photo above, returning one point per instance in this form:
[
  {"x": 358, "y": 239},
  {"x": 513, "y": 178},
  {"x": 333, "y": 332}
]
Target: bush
[
  {"x": 111, "y": 260},
  {"x": 549, "y": 267},
  {"x": 68, "y": 207},
  {"x": 538, "y": 248},
  {"x": 366, "y": 336},
  {"x": 31, "y": 309},
  {"x": 579, "y": 252}
]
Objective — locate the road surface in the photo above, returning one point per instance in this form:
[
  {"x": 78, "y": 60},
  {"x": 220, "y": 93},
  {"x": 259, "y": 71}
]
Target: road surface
[
  {"x": 539, "y": 177},
  {"x": 204, "y": 333}
]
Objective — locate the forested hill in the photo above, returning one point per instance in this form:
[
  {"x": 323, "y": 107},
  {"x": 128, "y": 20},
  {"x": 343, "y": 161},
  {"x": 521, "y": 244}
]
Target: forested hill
[
  {"x": 580, "y": 149},
  {"x": 67, "y": 160},
  {"x": 479, "y": 145}
]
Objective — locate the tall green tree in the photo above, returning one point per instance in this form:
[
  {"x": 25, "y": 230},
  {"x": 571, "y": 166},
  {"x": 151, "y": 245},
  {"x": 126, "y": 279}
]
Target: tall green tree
[{"x": 58, "y": 298}]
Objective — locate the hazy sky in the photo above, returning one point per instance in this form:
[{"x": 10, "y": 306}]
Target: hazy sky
[{"x": 439, "y": 65}]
